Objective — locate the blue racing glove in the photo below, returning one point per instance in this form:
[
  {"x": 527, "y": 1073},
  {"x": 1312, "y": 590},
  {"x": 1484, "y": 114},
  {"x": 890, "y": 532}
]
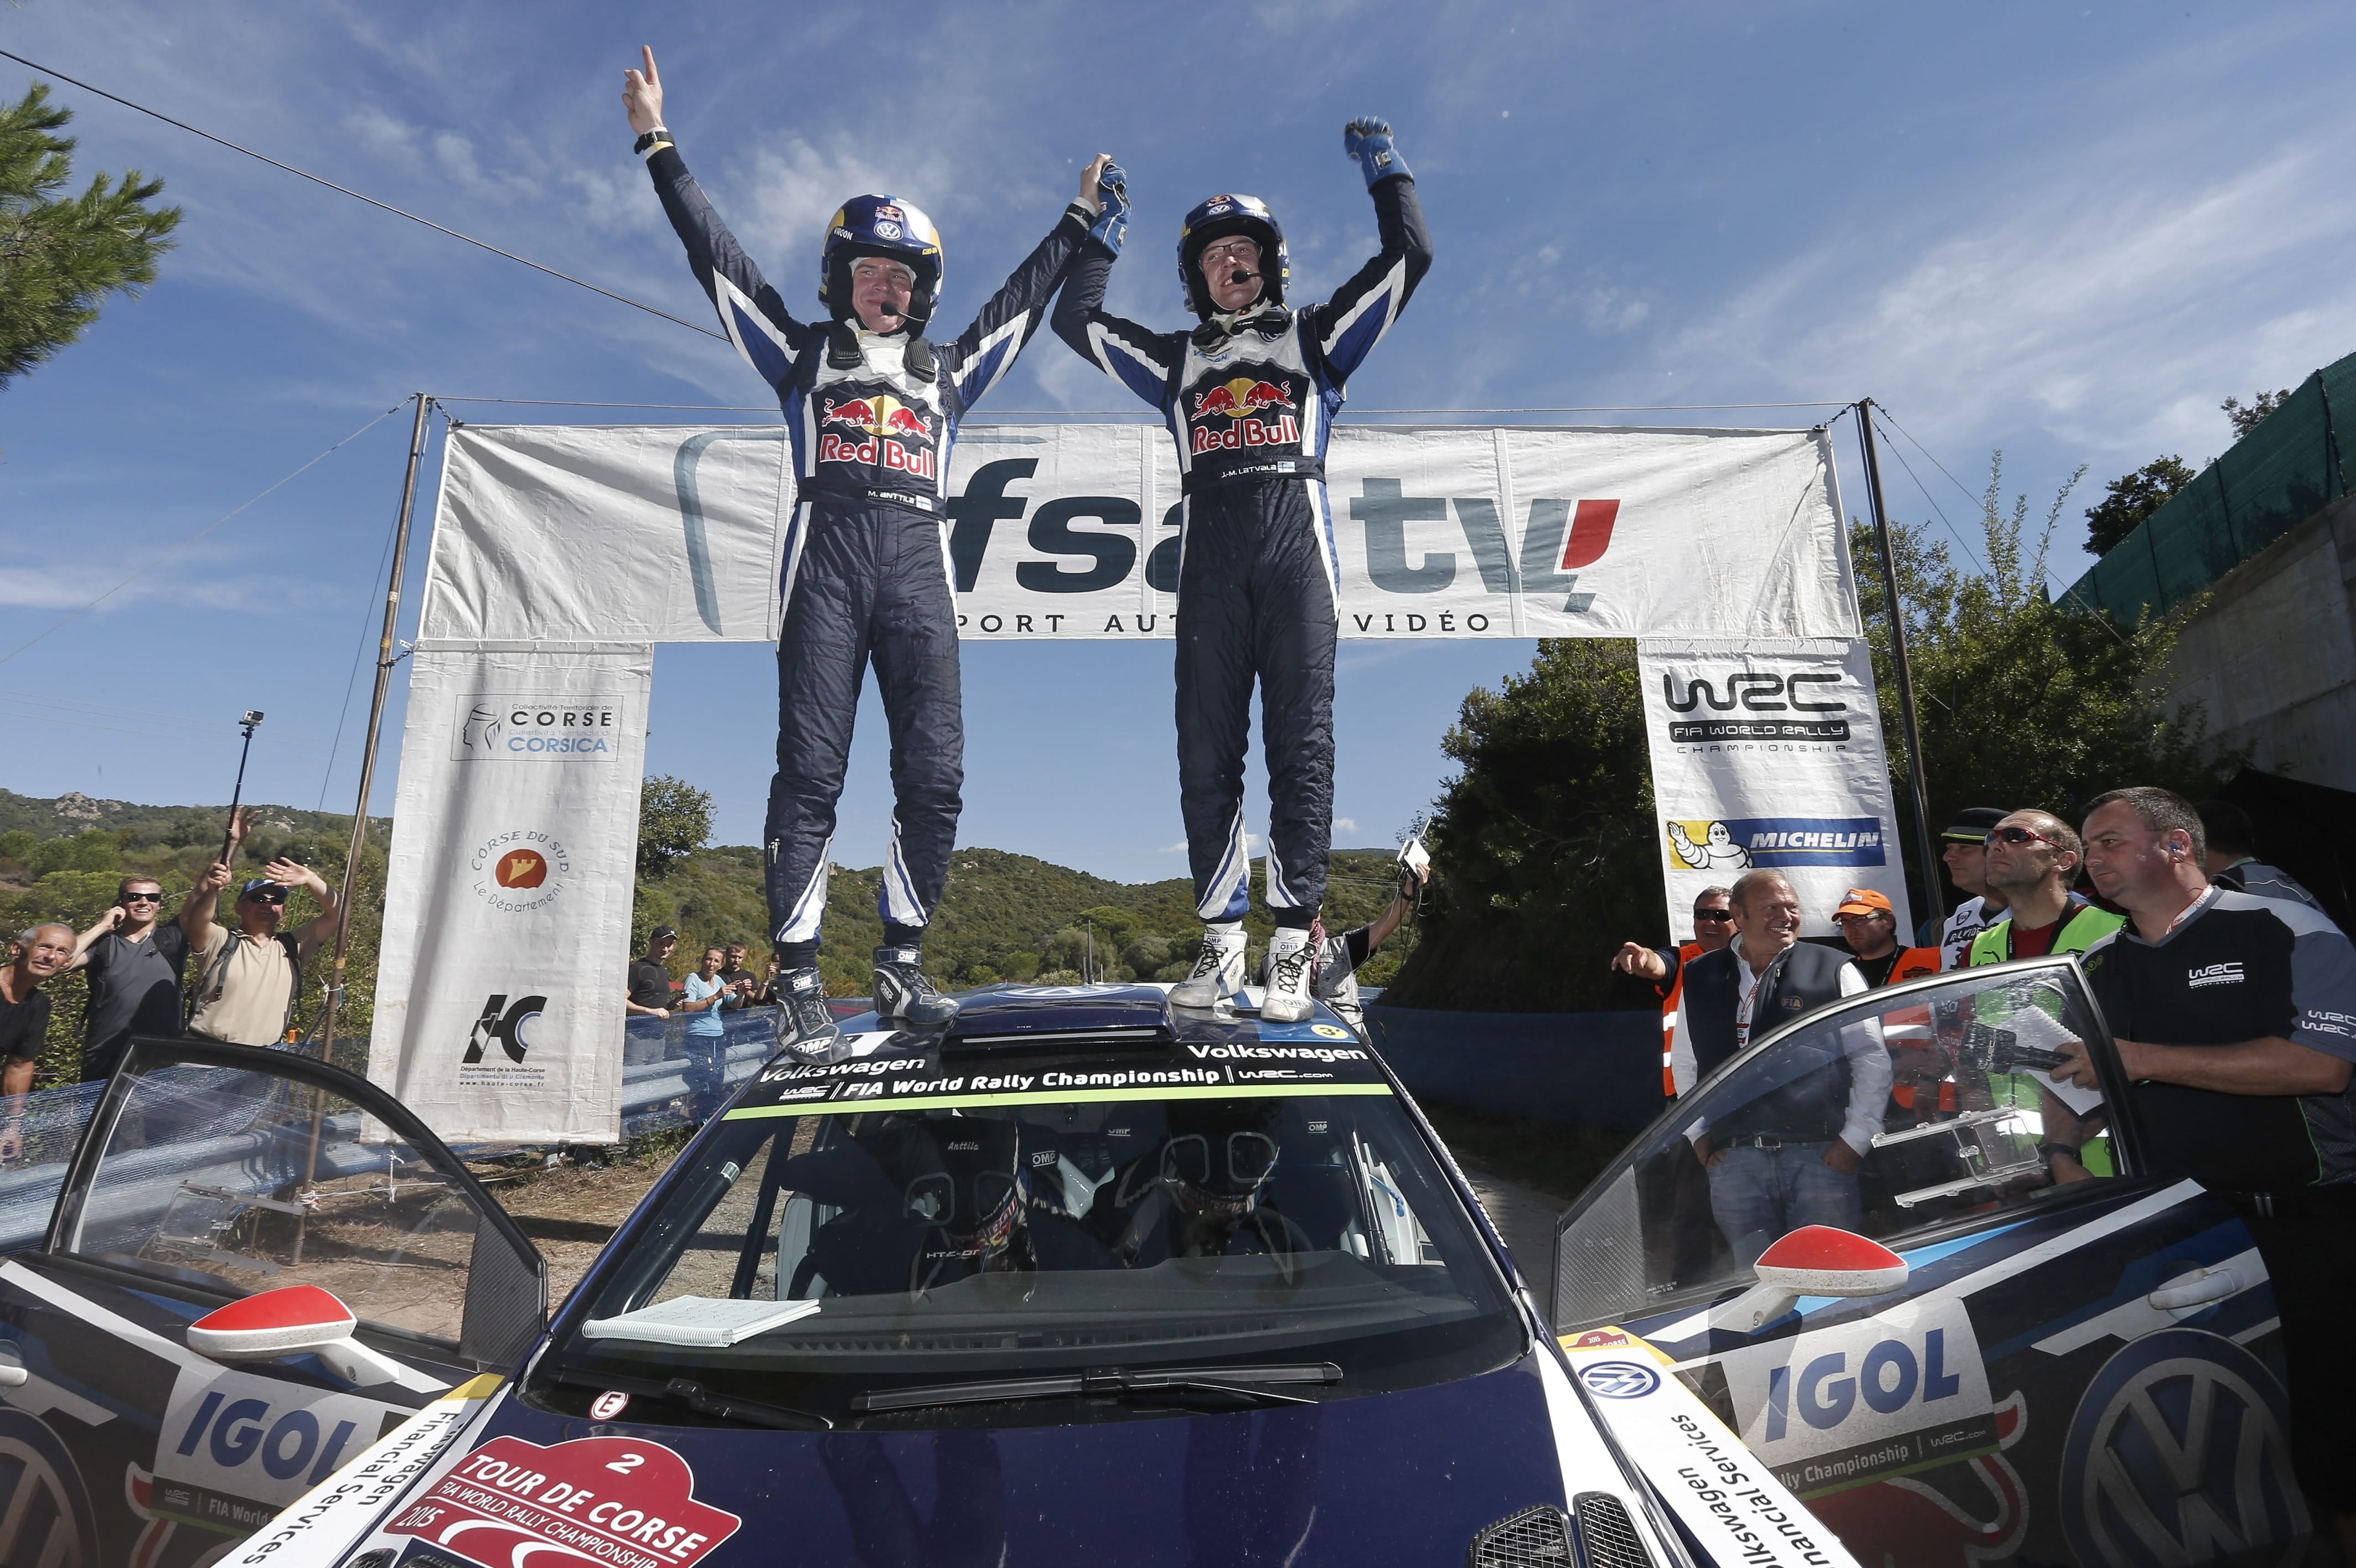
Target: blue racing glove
[
  {"x": 1111, "y": 226},
  {"x": 1369, "y": 140}
]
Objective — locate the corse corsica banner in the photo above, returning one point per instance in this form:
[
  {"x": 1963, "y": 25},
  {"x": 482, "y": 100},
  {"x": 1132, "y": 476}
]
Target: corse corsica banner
[
  {"x": 662, "y": 534},
  {"x": 1767, "y": 755},
  {"x": 507, "y": 921}
]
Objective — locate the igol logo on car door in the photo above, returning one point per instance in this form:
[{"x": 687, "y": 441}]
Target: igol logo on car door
[
  {"x": 236, "y": 1448},
  {"x": 1839, "y": 1407}
]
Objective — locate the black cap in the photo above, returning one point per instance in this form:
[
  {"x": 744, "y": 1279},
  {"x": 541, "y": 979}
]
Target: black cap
[
  {"x": 1973, "y": 824},
  {"x": 662, "y": 934}
]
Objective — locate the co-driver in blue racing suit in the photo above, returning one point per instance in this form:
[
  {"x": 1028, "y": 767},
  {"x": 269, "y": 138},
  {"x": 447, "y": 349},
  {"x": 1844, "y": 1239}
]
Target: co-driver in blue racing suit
[
  {"x": 872, "y": 409},
  {"x": 1250, "y": 396}
]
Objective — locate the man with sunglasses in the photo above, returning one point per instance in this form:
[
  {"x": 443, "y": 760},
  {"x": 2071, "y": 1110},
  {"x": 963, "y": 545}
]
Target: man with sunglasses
[
  {"x": 2032, "y": 860},
  {"x": 247, "y": 978},
  {"x": 134, "y": 963},
  {"x": 1250, "y": 396},
  {"x": 1713, "y": 923},
  {"x": 1965, "y": 857}
]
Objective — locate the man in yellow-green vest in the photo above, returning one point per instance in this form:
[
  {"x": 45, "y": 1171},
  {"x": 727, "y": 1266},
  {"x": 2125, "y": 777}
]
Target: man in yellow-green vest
[{"x": 2032, "y": 859}]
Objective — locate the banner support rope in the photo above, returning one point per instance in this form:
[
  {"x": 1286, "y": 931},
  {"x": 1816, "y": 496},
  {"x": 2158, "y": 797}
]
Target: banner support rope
[{"x": 1924, "y": 844}]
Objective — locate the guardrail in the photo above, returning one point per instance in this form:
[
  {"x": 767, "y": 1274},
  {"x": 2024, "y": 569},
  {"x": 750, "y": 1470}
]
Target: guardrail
[{"x": 657, "y": 1092}]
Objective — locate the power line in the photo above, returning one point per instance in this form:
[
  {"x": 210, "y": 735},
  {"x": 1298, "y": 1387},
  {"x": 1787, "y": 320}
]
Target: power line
[
  {"x": 368, "y": 606},
  {"x": 1972, "y": 554},
  {"x": 200, "y": 533},
  {"x": 356, "y": 196},
  {"x": 577, "y": 403}
]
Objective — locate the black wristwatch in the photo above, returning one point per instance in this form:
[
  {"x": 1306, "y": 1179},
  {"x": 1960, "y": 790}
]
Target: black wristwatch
[
  {"x": 652, "y": 138},
  {"x": 2047, "y": 1151}
]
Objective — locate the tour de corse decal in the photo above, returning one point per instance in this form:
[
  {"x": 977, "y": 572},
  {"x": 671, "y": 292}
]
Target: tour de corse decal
[
  {"x": 613, "y": 1501},
  {"x": 1839, "y": 1407}
]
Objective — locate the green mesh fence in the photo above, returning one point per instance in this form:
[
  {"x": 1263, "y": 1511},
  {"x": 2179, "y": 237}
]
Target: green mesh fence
[{"x": 2271, "y": 481}]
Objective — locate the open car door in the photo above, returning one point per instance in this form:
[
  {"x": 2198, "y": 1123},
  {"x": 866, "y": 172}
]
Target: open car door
[
  {"x": 257, "y": 1266},
  {"x": 2065, "y": 1360}
]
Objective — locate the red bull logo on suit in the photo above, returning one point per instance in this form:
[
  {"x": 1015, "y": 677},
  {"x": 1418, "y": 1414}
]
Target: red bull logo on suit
[
  {"x": 884, "y": 423},
  {"x": 1241, "y": 403}
]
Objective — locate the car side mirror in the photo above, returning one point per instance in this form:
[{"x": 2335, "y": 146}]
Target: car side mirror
[
  {"x": 1815, "y": 1260},
  {"x": 293, "y": 1320}
]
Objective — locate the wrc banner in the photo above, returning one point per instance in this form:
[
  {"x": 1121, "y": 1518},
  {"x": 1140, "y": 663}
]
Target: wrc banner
[
  {"x": 568, "y": 534},
  {"x": 507, "y": 915},
  {"x": 1767, "y": 755}
]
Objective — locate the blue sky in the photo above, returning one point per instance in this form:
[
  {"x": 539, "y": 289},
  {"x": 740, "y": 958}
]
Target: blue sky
[{"x": 2066, "y": 233}]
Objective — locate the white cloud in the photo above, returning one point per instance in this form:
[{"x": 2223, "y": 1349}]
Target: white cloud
[
  {"x": 1349, "y": 825},
  {"x": 1177, "y": 849}
]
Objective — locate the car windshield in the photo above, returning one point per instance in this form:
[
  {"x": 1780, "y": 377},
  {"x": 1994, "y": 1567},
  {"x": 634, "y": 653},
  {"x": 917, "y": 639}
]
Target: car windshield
[{"x": 899, "y": 1221}]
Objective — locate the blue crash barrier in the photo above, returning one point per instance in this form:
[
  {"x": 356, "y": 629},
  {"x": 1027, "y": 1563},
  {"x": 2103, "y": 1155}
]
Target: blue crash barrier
[{"x": 1593, "y": 1070}]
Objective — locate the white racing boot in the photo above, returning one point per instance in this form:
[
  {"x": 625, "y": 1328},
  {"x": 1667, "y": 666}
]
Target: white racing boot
[
  {"x": 1291, "y": 971},
  {"x": 805, "y": 1028},
  {"x": 903, "y": 992},
  {"x": 1219, "y": 969}
]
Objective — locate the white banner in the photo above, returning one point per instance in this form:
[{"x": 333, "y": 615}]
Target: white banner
[
  {"x": 1767, "y": 753},
  {"x": 659, "y": 534},
  {"x": 507, "y": 919}
]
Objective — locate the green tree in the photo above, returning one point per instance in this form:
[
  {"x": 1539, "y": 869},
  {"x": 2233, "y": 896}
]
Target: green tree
[
  {"x": 60, "y": 255},
  {"x": 2131, "y": 498},
  {"x": 2248, "y": 417},
  {"x": 674, "y": 822}
]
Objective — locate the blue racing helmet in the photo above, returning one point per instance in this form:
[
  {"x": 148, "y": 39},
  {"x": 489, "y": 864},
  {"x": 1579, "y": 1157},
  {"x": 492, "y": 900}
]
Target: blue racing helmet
[
  {"x": 1221, "y": 216},
  {"x": 883, "y": 226}
]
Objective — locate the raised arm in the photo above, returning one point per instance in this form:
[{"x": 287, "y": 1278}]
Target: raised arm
[
  {"x": 1144, "y": 361},
  {"x": 196, "y": 910},
  {"x": 754, "y": 315},
  {"x": 985, "y": 351},
  {"x": 83, "y": 939},
  {"x": 320, "y": 929},
  {"x": 1348, "y": 326}
]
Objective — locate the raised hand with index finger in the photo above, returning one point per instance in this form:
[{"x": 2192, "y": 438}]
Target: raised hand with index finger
[{"x": 642, "y": 94}]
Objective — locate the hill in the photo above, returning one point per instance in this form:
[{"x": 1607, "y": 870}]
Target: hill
[{"x": 1004, "y": 917}]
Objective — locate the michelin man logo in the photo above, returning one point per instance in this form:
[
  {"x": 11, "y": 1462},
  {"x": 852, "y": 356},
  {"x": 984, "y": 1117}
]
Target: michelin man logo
[{"x": 1716, "y": 851}]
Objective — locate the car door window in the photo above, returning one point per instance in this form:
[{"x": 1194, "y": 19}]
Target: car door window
[
  {"x": 1888, "y": 1114},
  {"x": 233, "y": 1179}
]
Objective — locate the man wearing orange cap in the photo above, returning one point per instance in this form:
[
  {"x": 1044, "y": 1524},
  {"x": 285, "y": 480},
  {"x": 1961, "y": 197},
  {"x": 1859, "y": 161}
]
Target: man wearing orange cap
[{"x": 1870, "y": 926}]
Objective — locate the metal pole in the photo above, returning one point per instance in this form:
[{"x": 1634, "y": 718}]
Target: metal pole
[
  {"x": 252, "y": 722},
  {"x": 384, "y": 663},
  {"x": 1924, "y": 844}
]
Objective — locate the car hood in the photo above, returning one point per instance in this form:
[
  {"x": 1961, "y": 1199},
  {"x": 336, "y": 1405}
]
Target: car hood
[{"x": 1406, "y": 1477}]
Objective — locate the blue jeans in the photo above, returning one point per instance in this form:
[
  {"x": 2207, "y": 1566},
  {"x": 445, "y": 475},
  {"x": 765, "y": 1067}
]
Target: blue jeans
[{"x": 1757, "y": 1195}]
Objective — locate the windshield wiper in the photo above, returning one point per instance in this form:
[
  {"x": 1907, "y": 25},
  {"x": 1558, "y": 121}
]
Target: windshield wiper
[
  {"x": 702, "y": 1399},
  {"x": 1235, "y": 1383}
]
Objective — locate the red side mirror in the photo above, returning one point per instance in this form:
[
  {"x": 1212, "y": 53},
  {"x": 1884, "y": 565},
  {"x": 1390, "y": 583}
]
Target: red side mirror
[
  {"x": 288, "y": 1321},
  {"x": 1819, "y": 1260}
]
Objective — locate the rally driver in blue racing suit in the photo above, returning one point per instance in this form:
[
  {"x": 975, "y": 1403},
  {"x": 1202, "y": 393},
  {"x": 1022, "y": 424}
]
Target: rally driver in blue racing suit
[
  {"x": 872, "y": 409},
  {"x": 1250, "y": 396}
]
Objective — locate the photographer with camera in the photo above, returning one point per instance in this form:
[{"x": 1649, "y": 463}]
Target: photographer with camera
[{"x": 2234, "y": 1018}]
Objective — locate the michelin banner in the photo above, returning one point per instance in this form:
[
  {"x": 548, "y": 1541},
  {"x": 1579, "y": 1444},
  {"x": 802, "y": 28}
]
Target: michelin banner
[
  {"x": 507, "y": 920},
  {"x": 574, "y": 534},
  {"x": 1767, "y": 755}
]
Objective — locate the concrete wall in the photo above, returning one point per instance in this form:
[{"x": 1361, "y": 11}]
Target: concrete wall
[{"x": 2273, "y": 654}]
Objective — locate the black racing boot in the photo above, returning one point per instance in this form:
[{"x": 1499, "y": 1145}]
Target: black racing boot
[
  {"x": 901, "y": 991},
  {"x": 805, "y": 1028}
]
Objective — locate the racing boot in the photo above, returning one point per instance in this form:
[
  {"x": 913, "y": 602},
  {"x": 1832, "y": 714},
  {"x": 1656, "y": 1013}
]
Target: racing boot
[
  {"x": 903, "y": 992},
  {"x": 1218, "y": 968},
  {"x": 806, "y": 1026},
  {"x": 1291, "y": 970}
]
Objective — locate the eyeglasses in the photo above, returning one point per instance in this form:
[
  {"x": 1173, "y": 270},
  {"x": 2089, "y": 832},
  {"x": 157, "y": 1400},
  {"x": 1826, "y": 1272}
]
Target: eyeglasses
[
  {"x": 1242, "y": 251},
  {"x": 2017, "y": 835},
  {"x": 143, "y": 898},
  {"x": 263, "y": 896},
  {"x": 1702, "y": 915}
]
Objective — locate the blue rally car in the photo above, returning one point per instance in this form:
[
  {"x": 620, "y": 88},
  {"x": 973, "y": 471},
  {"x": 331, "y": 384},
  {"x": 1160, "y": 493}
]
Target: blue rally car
[{"x": 1076, "y": 1279}]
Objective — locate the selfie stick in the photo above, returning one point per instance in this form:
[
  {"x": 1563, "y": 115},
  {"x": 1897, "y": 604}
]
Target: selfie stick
[{"x": 251, "y": 721}]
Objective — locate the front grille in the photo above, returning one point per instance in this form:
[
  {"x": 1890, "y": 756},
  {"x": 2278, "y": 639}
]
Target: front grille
[
  {"x": 1604, "y": 1531},
  {"x": 1534, "y": 1538}
]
